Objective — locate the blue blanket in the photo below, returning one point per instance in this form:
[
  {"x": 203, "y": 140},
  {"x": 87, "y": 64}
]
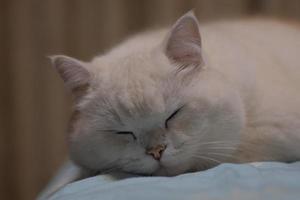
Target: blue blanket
[{"x": 264, "y": 180}]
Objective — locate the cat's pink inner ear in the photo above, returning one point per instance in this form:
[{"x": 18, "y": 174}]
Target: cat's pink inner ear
[
  {"x": 72, "y": 71},
  {"x": 184, "y": 41}
]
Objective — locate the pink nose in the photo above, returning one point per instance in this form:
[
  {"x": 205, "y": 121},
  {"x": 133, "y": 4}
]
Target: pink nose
[{"x": 156, "y": 152}]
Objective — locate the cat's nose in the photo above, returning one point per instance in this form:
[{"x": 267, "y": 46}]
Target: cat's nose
[{"x": 156, "y": 151}]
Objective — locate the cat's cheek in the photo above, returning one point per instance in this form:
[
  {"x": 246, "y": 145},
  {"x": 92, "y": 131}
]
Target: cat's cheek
[
  {"x": 172, "y": 162},
  {"x": 168, "y": 169}
]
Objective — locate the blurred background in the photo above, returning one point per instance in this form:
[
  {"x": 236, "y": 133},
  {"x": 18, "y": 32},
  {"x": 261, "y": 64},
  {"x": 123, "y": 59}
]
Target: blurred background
[{"x": 34, "y": 107}]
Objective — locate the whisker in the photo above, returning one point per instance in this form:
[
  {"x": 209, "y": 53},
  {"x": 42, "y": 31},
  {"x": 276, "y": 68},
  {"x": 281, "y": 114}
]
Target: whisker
[
  {"x": 222, "y": 148},
  {"x": 220, "y": 154},
  {"x": 219, "y": 142},
  {"x": 213, "y": 144},
  {"x": 208, "y": 158}
]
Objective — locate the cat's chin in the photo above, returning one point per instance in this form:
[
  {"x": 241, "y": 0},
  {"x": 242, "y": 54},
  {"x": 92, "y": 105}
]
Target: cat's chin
[
  {"x": 160, "y": 171},
  {"x": 164, "y": 171},
  {"x": 167, "y": 171}
]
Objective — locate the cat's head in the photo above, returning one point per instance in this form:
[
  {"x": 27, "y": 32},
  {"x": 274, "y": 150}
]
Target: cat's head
[{"x": 152, "y": 106}]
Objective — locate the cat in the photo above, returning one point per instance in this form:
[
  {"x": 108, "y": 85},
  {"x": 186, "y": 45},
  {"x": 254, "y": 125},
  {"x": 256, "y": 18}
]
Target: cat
[{"x": 186, "y": 99}]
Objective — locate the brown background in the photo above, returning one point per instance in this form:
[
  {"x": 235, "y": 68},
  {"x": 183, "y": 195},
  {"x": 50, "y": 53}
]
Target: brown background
[{"x": 33, "y": 104}]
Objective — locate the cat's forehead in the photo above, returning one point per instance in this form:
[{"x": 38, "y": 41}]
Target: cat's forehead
[
  {"x": 135, "y": 74},
  {"x": 144, "y": 61},
  {"x": 134, "y": 85},
  {"x": 123, "y": 91},
  {"x": 134, "y": 92}
]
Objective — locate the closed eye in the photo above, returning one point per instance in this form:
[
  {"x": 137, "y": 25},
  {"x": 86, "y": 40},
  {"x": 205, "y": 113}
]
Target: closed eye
[
  {"x": 171, "y": 116},
  {"x": 126, "y": 133}
]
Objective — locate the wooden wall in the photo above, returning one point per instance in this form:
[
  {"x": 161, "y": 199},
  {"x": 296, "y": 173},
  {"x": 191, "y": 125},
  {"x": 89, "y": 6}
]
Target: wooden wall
[{"x": 34, "y": 107}]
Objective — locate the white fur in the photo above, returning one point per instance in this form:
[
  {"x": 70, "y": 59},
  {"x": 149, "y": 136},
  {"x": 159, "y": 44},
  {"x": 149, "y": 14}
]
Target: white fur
[{"x": 243, "y": 105}]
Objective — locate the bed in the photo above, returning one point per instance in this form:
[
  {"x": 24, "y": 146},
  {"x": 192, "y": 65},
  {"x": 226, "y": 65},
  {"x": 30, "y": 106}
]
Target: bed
[{"x": 261, "y": 180}]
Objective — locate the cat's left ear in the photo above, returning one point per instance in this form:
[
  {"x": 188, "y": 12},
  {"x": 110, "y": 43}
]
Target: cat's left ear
[{"x": 183, "y": 43}]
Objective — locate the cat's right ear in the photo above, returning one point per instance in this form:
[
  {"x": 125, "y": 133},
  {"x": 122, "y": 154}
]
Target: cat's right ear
[{"x": 73, "y": 72}]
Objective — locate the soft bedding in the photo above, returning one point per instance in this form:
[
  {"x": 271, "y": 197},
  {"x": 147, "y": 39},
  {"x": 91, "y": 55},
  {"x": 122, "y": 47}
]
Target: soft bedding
[{"x": 264, "y": 180}]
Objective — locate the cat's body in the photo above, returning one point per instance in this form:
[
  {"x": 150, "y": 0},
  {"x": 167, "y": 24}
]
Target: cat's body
[
  {"x": 165, "y": 103},
  {"x": 261, "y": 58}
]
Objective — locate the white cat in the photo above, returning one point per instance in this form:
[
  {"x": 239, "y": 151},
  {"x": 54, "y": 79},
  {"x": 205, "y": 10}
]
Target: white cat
[{"x": 169, "y": 102}]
